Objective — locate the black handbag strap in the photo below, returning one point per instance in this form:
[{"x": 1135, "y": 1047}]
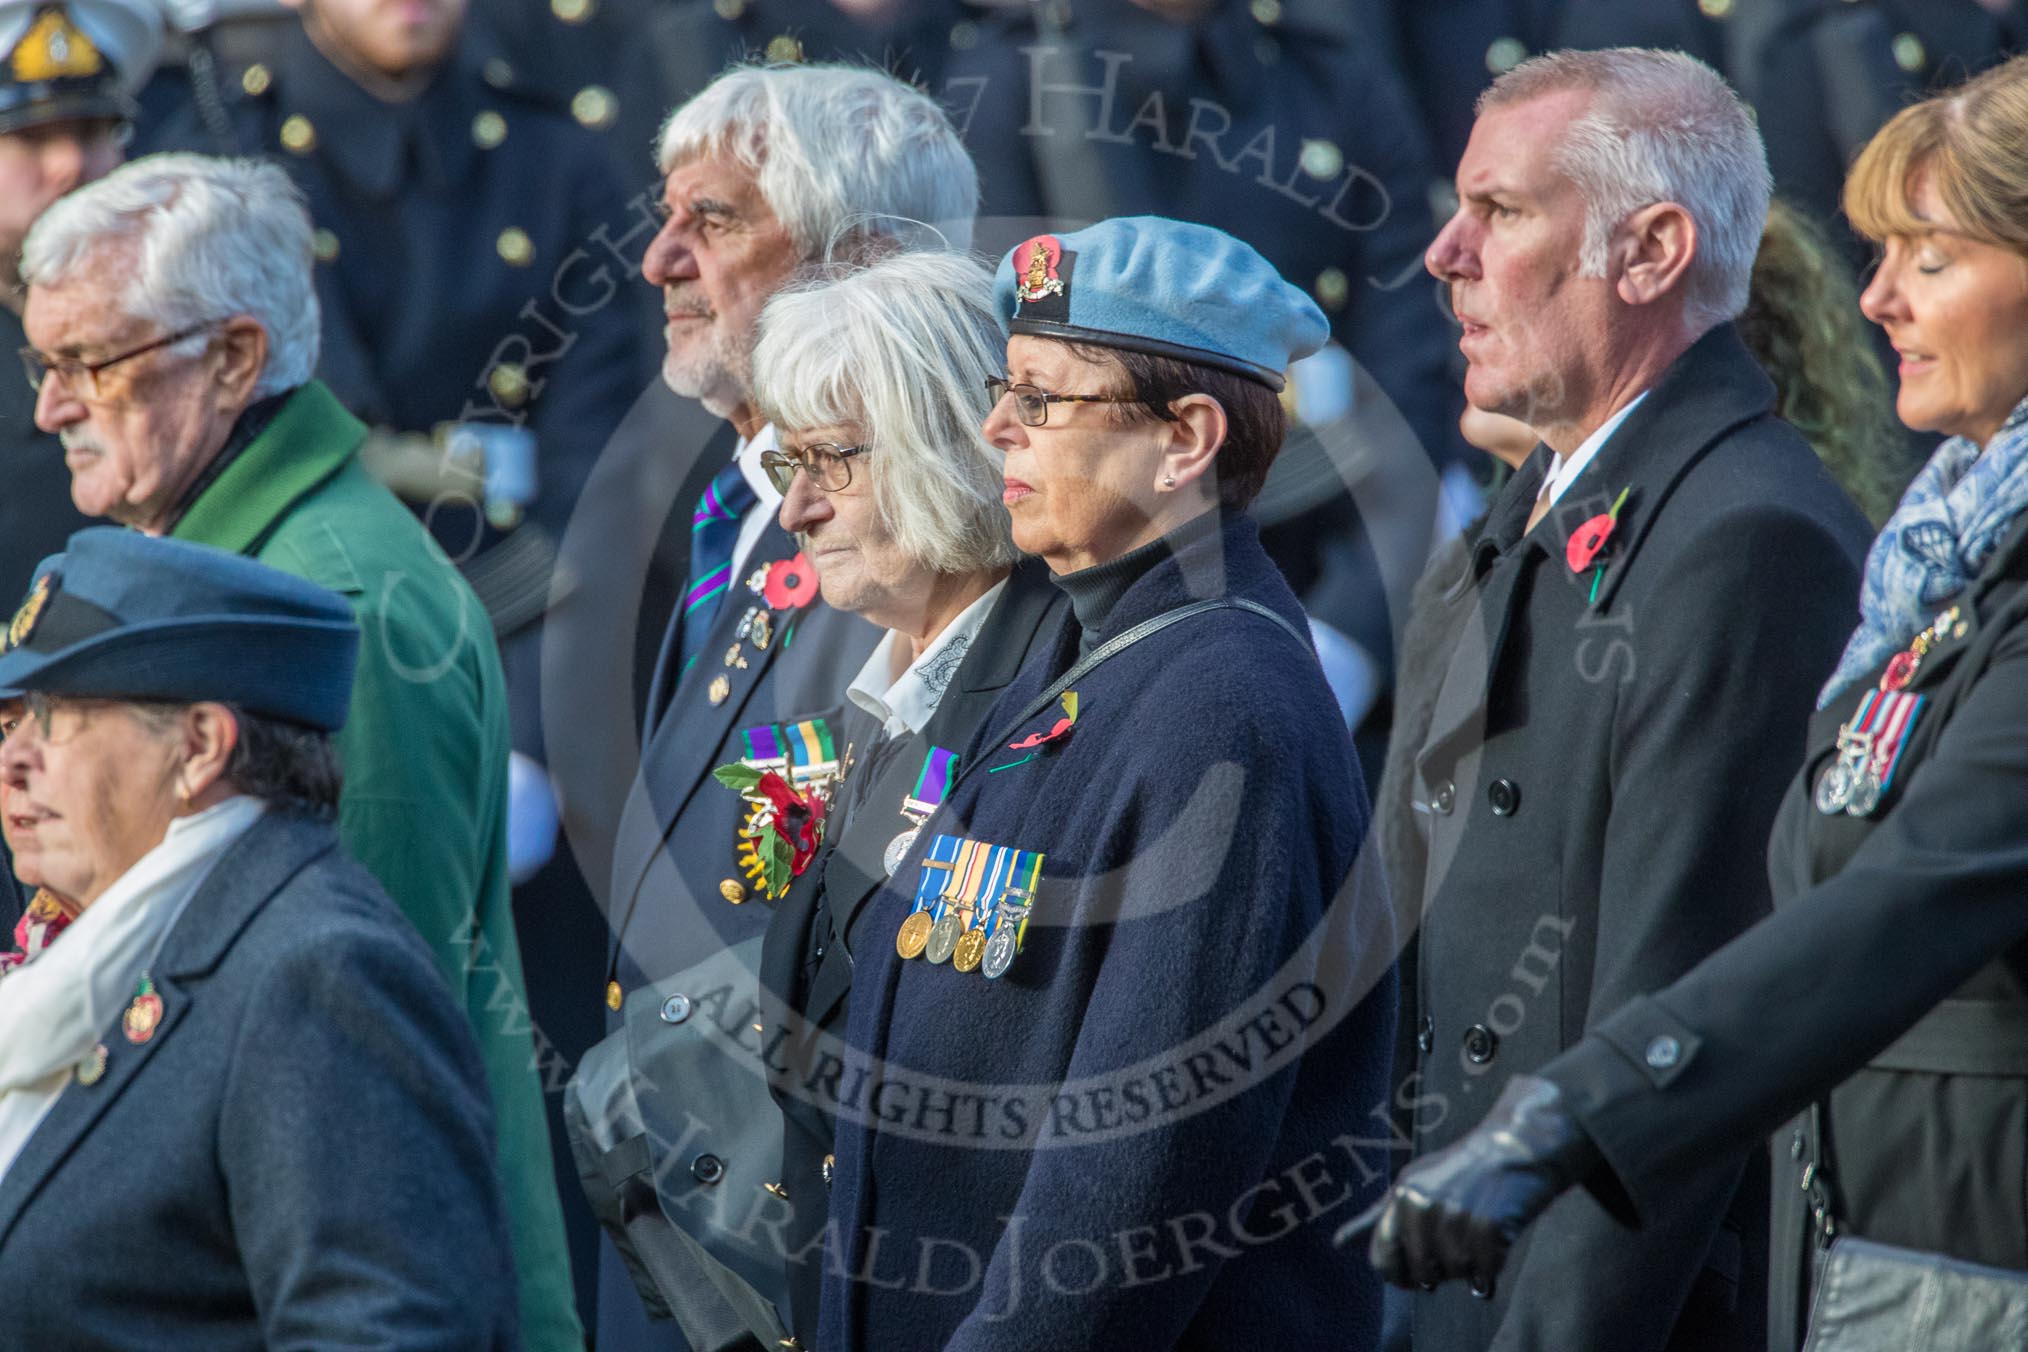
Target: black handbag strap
[{"x": 1147, "y": 628}]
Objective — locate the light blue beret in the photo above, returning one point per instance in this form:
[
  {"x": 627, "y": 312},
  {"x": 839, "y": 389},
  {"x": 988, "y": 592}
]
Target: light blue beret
[{"x": 1170, "y": 288}]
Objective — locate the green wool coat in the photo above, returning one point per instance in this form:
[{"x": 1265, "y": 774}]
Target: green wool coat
[{"x": 425, "y": 751}]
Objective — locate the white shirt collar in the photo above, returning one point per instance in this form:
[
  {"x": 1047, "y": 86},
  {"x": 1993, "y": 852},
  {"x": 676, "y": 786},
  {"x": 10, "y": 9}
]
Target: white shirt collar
[
  {"x": 767, "y": 502},
  {"x": 1559, "y": 479},
  {"x": 905, "y": 704}
]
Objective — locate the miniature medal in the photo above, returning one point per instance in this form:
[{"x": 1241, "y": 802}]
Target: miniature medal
[
  {"x": 943, "y": 938},
  {"x": 93, "y": 1068},
  {"x": 999, "y": 954},
  {"x": 938, "y": 876},
  {"x": 144, "y": 1014},
  {"x": 971, "y": 948},
  {"x": 897, "y": 850},
  {"x": 1009, "y": 925},
  {"x": 1834, "y": 790},
  {"x": 932, "y": 782}
]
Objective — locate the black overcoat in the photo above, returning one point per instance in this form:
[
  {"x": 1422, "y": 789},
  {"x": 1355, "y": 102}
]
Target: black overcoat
[
  {"x": 1891, "y": 978},
  {"x": 1604, "y": 759}
]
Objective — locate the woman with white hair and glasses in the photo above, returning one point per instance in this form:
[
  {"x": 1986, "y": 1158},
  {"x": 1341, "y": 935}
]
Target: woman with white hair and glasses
[{"x": 878, "y": 383}]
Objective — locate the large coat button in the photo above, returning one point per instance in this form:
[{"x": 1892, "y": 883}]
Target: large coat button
[
  {"x": 1481, "y": 1044},
  {"x": 707, "y": 1169},
  {"x": 1425, "y": 1035},
  {"x": 1445, "y": 798},
  {"x": 1505, "y": 796}
]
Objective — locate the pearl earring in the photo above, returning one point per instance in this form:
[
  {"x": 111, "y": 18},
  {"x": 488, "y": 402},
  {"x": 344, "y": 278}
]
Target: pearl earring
[{"x": 1168, "y": 481}]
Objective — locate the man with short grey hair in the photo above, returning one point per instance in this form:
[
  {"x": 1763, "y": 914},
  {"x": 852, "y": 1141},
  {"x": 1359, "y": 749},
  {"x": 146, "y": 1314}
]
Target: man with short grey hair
[
  {"x": 173, "y": 324},
  {"x": 768, "y": 172},
  {"x": 1661, "y": 590}
]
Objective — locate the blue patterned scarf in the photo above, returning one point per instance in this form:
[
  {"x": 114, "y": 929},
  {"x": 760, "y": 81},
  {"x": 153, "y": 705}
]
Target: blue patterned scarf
[{"x": 1948, "y": 524}]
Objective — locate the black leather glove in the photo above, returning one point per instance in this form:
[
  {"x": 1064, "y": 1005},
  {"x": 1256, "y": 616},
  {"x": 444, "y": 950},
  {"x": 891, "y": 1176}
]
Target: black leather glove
[{"x": 1456, "y": 1213}]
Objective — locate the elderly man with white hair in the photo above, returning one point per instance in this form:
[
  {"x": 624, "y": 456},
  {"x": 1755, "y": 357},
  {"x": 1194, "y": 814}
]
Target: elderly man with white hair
[
  {"x": 174, "y": 329},
  {"x": 1662, "y": 588},
  {"x": 767, "y": 171}
]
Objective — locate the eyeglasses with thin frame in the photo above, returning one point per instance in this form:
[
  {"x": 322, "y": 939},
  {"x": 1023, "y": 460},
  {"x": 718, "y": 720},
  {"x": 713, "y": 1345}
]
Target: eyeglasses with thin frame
[
  {"x": 1031, "y": 405},
  {"x": 828, "y": 464},
  {"x": 83, "y": 376}
]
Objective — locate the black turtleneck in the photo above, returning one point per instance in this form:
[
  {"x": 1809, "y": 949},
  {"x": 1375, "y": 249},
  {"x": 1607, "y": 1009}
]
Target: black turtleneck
[{"x": 1094, "y": 591}]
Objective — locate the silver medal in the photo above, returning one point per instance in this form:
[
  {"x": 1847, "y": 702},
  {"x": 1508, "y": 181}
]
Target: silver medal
[
  {"x": 999, "y": 951},
  {"x": 943, "y": 940},
  {"x": 897, "y": 850},
  {"x": 1834, "y": 790},
  {"x": 1865, "y": 794}
]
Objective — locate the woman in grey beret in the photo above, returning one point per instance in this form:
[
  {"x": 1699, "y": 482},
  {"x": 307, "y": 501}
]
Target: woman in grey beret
[
  {"x": 1114, "y": 1043},
  {"x": 238, "y": 1108}
]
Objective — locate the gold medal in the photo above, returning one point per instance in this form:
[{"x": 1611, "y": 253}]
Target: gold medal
[
  {"x": 971, "y": 948},
  {"x": 763, "y": 632},
  {"x": 612, "y": 995},
  {"x": 914, "y": 935}
]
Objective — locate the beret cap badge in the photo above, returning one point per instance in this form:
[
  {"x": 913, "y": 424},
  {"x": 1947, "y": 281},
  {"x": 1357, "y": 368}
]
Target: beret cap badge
[
  {"x": 22, "y": 627},
  {"x": 1038, "y": 273}
]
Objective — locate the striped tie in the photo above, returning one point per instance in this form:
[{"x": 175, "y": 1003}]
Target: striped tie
[{"x": 714, "y": 530}]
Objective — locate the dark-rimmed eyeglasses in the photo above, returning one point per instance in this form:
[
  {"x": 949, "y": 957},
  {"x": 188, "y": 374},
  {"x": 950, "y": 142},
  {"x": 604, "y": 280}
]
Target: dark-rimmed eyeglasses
[
  {"x": 828, "y": 464},
  {"x": 1031, "y": 405},
  {"x": 83, "y": 376}
]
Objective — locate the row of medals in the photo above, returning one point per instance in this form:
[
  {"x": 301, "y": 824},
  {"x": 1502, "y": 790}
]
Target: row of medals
[
  {"x": 1852, "y": 786},
  {"x": 965, "y": 947},
  {"x": 757, "y": 627}
]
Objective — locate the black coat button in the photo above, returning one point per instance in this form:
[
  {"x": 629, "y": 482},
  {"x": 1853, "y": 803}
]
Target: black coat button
[
  {"x": 1445, "y": 799},
  {"x": 1425, "y": 1035},
  {"x": 707, "y": 1169},
  {"x": 1481, "y": 1044},
  {"x": 1505, "y": 797}
]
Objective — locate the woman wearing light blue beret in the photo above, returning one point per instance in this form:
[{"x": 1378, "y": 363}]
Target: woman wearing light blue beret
[{"x": 1121, "y": 1020}]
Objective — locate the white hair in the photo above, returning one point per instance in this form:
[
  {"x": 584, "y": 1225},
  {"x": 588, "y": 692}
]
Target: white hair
[
  {"x": 834, "y": 149},
  {"x": 901, "y": 349},
  {"x": 213, "y": 238},
  {"x": 1662, "y": 127}
]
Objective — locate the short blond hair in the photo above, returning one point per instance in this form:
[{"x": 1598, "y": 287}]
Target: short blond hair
[{"x": 1969, "y": 143}]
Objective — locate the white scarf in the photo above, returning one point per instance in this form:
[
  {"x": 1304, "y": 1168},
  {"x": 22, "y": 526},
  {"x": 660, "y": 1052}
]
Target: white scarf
[{"x": 55, "y": 1008}]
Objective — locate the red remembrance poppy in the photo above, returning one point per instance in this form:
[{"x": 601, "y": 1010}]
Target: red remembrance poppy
[
  {"x": 790, "y": 583},
  {"x": 1035, "y": 739},
  {"x": 1587, "y": 540}
]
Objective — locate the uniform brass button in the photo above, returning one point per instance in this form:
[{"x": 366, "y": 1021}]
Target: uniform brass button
[
  {"x": 1715, "y": 9},
  {"x": 515, "y": 246},
  {"x": 299, "y": 137},
  {"x": 497, "y": 72},
  {"x": 707, "y": 1169},
  {"x": 1505, "y": 797},
  {"x": 1445, "y": 799},
  {"x": 1332, "y": 288},
  {"x": 594, "y": 107},
  {"x": 785, "y": 48},
  {"x": 324, "y": 245},
  {"x": 676, "y": 1008},
  {"x": 571, "y": 11},
  {"x": 729, "y": 10},
  {"x": 731, "y": 890},
  {"x": 720, "y": 688},
  {"x": 509, "y": 384},
  {"x": 1505, "y": 54},
  {"x": 255, "y": 79},
  {"x": 1425, "y": 1035},
  {"x": 489, "y": 129},
  {"x": 964, "y": 36},
  {"x": 1266, "y": 12},
  {"x": 1909, "y": 53},
  {"x": 1664, "y": 1052},
  {"x": 613, "y": 995},
  {"x": 1482, "y": 1044},
  {"x": 830, "y": 1167}
]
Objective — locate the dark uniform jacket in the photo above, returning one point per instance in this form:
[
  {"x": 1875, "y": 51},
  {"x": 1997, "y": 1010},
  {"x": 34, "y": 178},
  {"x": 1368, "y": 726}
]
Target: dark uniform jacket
[
  {"x": 679, "y": 903},
  {"x": 301, "y": 1155},
  {"x": 1133, "y": 1136},
  {"x": 1890, "y": 980},
  {"x": 1605, "y": 754},
  {"x": 806, "y": 967}
]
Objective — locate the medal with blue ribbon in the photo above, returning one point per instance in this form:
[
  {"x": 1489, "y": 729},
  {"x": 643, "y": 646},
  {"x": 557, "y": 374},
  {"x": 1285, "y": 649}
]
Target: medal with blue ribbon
[
  {"x": 932, "y": 782},
  {"x": 784, "y": 822},
  {"x": 971, "y": 944},
  {"x": 812, "y": 757},
  {"x": 937, "y": 868},
  {"x": 1007, "y": 926},
  {"x": 1869, "y": 752},
  {"x": 954, "y": 909}
]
